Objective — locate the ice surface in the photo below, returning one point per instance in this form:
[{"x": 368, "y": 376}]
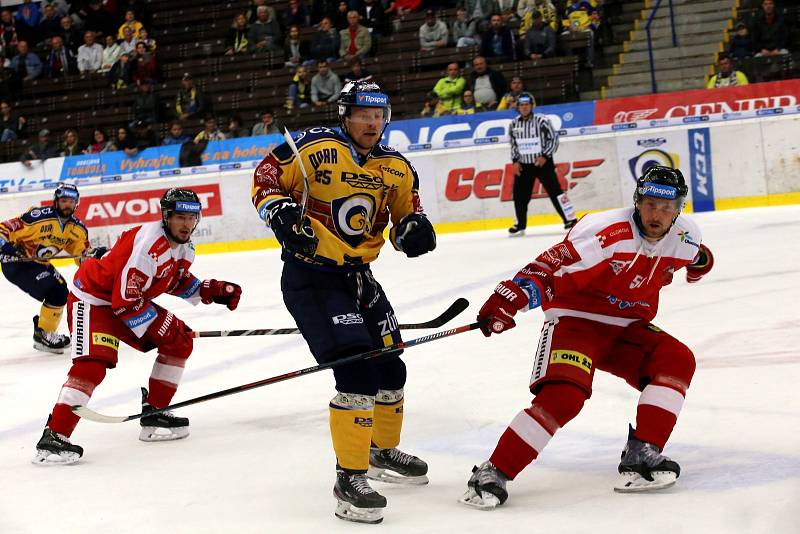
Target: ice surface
[{"x": 261, "y": 461}]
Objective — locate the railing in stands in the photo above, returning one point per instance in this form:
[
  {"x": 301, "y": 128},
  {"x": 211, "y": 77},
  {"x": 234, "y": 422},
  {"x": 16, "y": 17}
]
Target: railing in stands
[{"x": 653, "y": 82}]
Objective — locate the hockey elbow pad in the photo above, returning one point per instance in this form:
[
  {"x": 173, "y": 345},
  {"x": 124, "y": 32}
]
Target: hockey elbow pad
[
  {"x": 702, "y": 264},
  {"x": 414, "y": 235}
]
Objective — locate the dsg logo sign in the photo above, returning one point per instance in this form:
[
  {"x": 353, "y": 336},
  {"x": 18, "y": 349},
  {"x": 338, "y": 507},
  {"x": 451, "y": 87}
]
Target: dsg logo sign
[{"x": 653, "y": 156}]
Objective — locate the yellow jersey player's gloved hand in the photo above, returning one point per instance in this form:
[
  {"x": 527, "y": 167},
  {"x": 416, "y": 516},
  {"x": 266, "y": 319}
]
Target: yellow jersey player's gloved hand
[
  {"x": 414, "y": 235},
  {"x": 283, "y": 218}
]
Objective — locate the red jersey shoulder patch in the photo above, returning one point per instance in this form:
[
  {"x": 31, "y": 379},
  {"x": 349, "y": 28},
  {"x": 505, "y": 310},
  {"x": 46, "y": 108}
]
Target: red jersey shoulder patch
[
  {"x": 159, "y": 247},
  {"x": 614, "y": 234}
]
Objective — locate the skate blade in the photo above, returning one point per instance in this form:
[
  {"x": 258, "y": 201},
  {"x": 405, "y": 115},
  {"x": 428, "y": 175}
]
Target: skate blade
[
  {"x": 348, "y": 512},
  {"x": 382, "y": 475},
  {"x": 636, "y": 483},
  {"x": 48, "y": 458},
  {"x": 521, "y": 233},
  {"x": 485, "y": 501},
  {"x": 45, "y": 348},
  {"x": 157, "y": 433}
]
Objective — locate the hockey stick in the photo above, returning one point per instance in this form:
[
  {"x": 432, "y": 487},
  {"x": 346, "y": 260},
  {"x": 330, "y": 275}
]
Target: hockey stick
[
  {"x": 6, "y": 258},
  {"x": 304, "y": 202},
  {"x": 91, "y": 415},
  {"x": 449, "y": 314}
]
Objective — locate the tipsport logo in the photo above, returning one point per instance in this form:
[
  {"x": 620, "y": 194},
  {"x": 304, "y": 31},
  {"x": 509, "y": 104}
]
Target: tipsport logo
[
  {"x": 372, "y": 99},
  {"x": 650, "y": 158}
]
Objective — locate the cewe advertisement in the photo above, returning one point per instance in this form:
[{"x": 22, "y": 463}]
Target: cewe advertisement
[{"x": 693, "y": 105}]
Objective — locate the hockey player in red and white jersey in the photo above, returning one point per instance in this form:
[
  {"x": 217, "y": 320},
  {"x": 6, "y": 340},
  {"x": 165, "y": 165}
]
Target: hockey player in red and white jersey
[
  {"x": 112, "y": 302},
  {"x": 599, "y": 290}
]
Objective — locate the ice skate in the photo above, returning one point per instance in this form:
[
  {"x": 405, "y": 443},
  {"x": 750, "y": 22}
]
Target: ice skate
[
  {"x": 357, "y": 501},
  {"x": 644, "y": 468},
  {"x": 486, "y": 488},
  {"x": 516, "y": 231},
  {"x": 48, "y": 341},
  {"x": 55, "y": 449},
  {"x": 161, "y": 426},
  {"x": 396, "y": 467}
]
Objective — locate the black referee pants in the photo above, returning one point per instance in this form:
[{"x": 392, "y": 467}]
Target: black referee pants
[{"x": 523, "y": 188}]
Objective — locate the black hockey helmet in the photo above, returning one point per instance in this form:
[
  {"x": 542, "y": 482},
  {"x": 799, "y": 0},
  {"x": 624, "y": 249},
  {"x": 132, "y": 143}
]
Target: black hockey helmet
[
  {"x": 65, "y": 190},
  {"x": 363, "y": 94},
  {"x": 177, "y": 200},
  {"x": 661, "y": 182}
]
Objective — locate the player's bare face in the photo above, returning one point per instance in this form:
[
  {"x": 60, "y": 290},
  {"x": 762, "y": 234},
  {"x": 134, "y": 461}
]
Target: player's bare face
[
  {"x": 657, "y": 215},
  {"x": 364, "y": 126},
  {"x": 181, "y": 226},
  {"x": 66, "y": 207}
]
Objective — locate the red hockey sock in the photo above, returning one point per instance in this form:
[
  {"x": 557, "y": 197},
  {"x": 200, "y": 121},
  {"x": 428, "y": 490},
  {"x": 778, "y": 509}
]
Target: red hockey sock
[
  {"x": 530, "y": 431},
  {"x": 82, "y": 378},
  {"x": 659, "y": 405},
  {"x": 164, "y": 379}
]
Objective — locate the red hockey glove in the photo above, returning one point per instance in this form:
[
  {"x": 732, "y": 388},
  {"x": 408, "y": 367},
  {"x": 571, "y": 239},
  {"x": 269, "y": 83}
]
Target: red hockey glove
[
  {"x": 220, "y": 292},
  {"x": 501, "y": 307},
  {"x": 169, "y": 334},
  {"x": 702, "y": 263}
]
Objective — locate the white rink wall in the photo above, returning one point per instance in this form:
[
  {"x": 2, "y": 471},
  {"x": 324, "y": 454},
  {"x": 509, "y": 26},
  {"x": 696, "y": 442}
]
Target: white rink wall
[{"x": 748, "y": 162}]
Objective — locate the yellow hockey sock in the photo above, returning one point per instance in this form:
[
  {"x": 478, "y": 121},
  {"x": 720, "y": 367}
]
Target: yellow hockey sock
[
  {"x": 50, "y": 317},
  {"x": 388, "y": 419},
  {"x": 351, "y": 429}
]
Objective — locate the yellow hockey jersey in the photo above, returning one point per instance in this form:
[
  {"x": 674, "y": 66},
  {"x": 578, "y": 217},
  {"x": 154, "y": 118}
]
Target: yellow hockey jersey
[
  {"x": 351, "y": 198},
  {"x": 39, "y": 233}
]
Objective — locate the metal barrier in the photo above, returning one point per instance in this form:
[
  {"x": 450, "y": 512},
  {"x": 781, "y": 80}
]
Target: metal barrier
[{"x": 653, "y": 82}]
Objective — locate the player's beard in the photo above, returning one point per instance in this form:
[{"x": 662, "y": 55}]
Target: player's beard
[{"x": 65, "y": 213}]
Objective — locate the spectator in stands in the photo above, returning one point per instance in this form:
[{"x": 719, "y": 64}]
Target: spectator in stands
[
  {"x": 8, "y": 31},
  {"x": 60, "y": 61},
  {"x": 111, "y": 54},
  {"x": 374, "y": 18},
  {"x": 12, "y": 126},
  {"x": 145, "y": 66},
  {"x": 402, "y": 8},
  {"x": 355, "y": 40},
  {"x": 325, "y": 43},
  {"x": 237, "y": 42},
  {"x": 741, "y": 46},
  {"x": 508, "y": 10},
  {"x": 69, "y": 144},
  {"x": 726, "y": 75},
  {"x": 61, "y": 6},
  {"x": 121, "y": 72},
  {"x": 252, "y": 13},
  {"x": 27, "y": 65},
  {"x": 464, "y": 30},
  {"x": 130, "y": 22},
  {"x": 145, "y": 136},
  {"x": 267, "y": 125},
  {"x": 41, "y": 150},
  {"x": 321, "y": 9},
  {"x": 468, "y": 104},
  {"x": 70, "y": 36},
  {"x": 265, "y": 33},
  {"x": 90, "y": 55},
  {"x": 486, "y": 84},
  {"x": 526, "y": 8},
  {"x": 339, "y": 18},
  {"x": 126, "y": 141},
  {"x": 190, "y": 101},
  {"x": 210, "y": 131},
  {"x": 498, "y": 41},
  {"x": 579, "y": 23},
  {"x": 144, "y": 37},
  {"x": 540, "y": 39},
  {"x": 235, "y": 129},
  {"x": 128, "y": 44},
  {"x": 325, "y": 86},
  {"x": 175, "y": 135},
  {"x": 433, "y": 32},
  {"x": 450, "y": 88},
  {"x": 28, "y": 17},
  {"x": 146, "y": 105},
  {"x": 357, "y": 72},
  {"x": 299, "y": 94},
  {"x": 770, "y": 32},
  {"x": 296, "y": 15},
  {"x": 99, "y": 20},
  {"x": 100, "y": 143},
  {"x": 509, "y": 100},
  {"x": 432, "y": 107},
  {"x": 295, "y": 49},
  {"x": 603, "y": 32},
  {"x": 49, "y": 26},
  {"x": 480, "y": 11}
]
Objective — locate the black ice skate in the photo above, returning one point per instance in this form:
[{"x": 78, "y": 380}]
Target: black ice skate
[
  {"x": 48, "y": 341},
  {"x": 161, "y": 426},
  {"x": 357, "y": 501},
  {"x": 644, "y": 468},
  {"x": 396, "y": 466},
  {"x": 55, "y": 449},
  {"x": 486, "y": 488},
  {"x": 516, "y": 231}
]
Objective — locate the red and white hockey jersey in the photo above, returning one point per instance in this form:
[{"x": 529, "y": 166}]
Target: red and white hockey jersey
[
  {"x": 140, "y": 267},
  {"x": 605, "y": 271}
]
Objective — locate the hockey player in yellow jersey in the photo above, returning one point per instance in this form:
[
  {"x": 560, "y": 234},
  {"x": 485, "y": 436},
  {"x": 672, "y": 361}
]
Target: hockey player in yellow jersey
[
  {"x": 40, "y": 233},
  {"x": 357, "y": 187}
]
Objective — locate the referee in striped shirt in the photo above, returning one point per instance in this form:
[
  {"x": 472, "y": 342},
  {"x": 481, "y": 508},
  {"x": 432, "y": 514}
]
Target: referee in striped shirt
[{"x": 533, "y": 143}]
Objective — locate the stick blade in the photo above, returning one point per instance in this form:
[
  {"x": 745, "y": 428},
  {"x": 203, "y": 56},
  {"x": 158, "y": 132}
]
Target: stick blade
[{"x": 86, "y": 413}]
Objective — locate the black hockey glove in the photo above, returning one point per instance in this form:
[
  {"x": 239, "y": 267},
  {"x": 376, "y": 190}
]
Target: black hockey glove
[
  {"x": 282, "y": 218},
  {"x": 8, "y": 252},
  {"x": 414, "y": 235}
]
